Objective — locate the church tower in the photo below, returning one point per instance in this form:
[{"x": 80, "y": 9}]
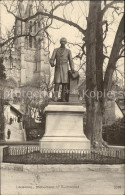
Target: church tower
[
  {"x": 30, "y": 51},
  {"x": 20, "y": 42},
  {"x": 36, "y": 61}
]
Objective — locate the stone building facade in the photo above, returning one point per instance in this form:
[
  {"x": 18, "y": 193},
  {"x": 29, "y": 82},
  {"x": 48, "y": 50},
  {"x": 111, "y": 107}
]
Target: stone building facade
[{"x": 28, "y": 60}]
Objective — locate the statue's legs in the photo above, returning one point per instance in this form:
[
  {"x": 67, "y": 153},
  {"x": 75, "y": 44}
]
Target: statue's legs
[
  {"x": 64, "y": 95},
  {"x": 56, "y": 91},
  {"x": 64, "y": 92}
]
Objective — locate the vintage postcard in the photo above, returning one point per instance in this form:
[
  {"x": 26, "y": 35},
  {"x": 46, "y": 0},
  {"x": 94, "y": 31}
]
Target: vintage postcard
[{"x": 62, "y": 114}]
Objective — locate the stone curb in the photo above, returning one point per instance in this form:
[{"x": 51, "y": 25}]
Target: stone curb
[{"x": 63, "y": 168}]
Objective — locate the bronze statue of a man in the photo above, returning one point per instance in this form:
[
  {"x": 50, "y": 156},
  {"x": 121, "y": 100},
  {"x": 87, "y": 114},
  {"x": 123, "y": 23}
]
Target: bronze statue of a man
[{"x": 62, "y": 55}]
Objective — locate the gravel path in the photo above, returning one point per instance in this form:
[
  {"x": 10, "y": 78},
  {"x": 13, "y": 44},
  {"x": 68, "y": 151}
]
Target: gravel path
[{"x": 87, "y": 182}]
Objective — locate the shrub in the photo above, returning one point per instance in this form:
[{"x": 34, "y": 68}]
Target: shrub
[{"x": 115, "y": 134}]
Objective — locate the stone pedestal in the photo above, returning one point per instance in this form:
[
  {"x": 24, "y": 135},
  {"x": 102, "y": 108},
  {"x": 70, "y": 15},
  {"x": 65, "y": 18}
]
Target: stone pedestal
[{"x": 64, "y": 127}]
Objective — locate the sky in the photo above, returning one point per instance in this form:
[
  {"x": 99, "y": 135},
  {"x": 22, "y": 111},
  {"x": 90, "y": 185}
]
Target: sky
[
  {"x": 77, "y": 12},
  {"x": 7, "y": 21}
]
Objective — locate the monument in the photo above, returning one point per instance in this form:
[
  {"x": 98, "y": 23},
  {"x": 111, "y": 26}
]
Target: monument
[{"x": 64, "y": 120}]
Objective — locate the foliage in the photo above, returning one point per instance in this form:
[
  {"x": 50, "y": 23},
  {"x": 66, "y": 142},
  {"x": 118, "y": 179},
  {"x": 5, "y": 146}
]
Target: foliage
[
  {"x": 36, "y": 130},
  {"x": 115, "y": 134}
]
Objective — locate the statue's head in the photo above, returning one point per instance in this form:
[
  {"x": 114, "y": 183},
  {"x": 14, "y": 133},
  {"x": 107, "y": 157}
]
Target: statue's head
[{"x": 63, "y": 41}]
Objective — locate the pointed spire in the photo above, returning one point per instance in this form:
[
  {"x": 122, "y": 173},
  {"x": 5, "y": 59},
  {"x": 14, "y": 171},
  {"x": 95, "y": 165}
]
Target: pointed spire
[
  {"x": 20, "y": 11},
  {"x": 41, "y": 6},
  {"x": 29, "y": 9}
]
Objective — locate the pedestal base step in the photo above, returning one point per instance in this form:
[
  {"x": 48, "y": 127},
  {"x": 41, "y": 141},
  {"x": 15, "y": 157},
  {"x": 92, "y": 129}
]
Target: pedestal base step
[{"x": 64, "y": 142}]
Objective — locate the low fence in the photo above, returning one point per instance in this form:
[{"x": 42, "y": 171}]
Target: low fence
[
  {"x": 35, "y": 155},
  {"x": 17, "y": 143}
]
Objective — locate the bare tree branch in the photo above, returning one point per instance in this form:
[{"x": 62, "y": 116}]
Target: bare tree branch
[
  {"x": 48, "y": 15},
  {"x": 114, "y": 55},
  {"x": 106, "y": 29},
  {"x": 109, "y": 5},
  {"x": 59, "y": 5}
]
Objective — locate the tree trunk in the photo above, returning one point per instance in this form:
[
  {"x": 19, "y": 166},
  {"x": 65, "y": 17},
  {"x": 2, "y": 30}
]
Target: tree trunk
[
  {"x": 94, "y": 75},
  {"x": 94, "y": 123},
  {"x": 95, "y": 85}
]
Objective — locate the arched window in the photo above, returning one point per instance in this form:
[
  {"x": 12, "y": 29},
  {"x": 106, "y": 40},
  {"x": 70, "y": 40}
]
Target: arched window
[
  {"x": 35, "y": 42},
  {"x": 26, "y": 27},
  {"x": 30, "y": 26},
  {"x": 43, "y": 25},
  {"x": 39, "y": 41},
  {"x": 30, "y": 41},
  {"x": 39, "y": 24},
  {"x": 26, "y": 42},
  {"x": 35, "y": 26},
  {"x": 36, "y": 66},
  {"x": 30, "y": 10},
  {"x": 15, "y": 63}
]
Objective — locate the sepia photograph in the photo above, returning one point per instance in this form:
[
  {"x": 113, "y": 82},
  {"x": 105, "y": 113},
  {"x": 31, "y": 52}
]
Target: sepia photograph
[{"x": 62, "y": 97}]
